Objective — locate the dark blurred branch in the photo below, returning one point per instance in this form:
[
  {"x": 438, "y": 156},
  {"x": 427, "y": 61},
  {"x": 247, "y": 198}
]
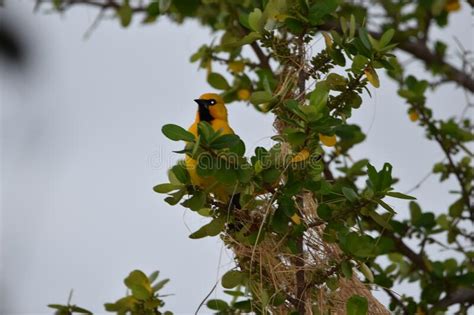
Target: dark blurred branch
[
  {"x": 463, "y": 183},
  {"x": 397, "y": 301},
  {"x": 105, "y": 4},
  {"x": 422, "y": 52},
  {"x": 459, "y": 296}
]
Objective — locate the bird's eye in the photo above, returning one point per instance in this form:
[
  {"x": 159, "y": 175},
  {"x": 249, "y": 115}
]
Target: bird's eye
[{"x": 212, "y": 102}]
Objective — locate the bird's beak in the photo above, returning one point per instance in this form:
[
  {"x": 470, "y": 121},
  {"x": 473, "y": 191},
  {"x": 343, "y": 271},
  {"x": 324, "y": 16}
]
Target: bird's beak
[{"x": 202, "y": 102}]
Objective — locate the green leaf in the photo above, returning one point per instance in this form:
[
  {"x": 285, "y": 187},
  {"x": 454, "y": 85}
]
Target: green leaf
[
  {"x": 455, "y": 210},
  {"x": 380, "y": 220},
  {"x": 319, "y": 96},
  {"x": 320, "y": 9},
  {"x": 247, "y": 39},
  {"x": 260, "y": 97},
  {"x": 352, "y": 27},
  {"x": 350, "y": 194},
  {"x": 338, "y": 57},
  {"x": 136, "y": 277},
  {"x": 56, "y": 4},
  {"x": 271, "y": 175},
  {"x": 386, "y": 37},
  {"x": 217, "y": 305},
  {"x": 364, "y": 37},
  {"x": 238, "y": 149},
  {"x": 232, "y": 278},
  {"x": 166, "y": 188},
  {"x": 80, "y": 310},
  {"x": 177, "y": 133},
  {"x": 399, "y": 195},
  {"x": 175, "y": 197},
  {"x": 153, "y": 9},
  {"x": 125, "y": 14},
  {"x": 366, "y": 272},
  {"x": 336, "y": 82},
  {"x": 213, "y": 228},
  {"x": 153, "y": 276},
  {"x": 359, "y": 63},
  {"x": 181, "y": 173},
  {"x": 225, "y": 141},
  {"x": 160, "y": 284},
  {"x": 206, "y": 131},
  {"x": 415, "y": 212},
  {"x": 140, "y": 292},
  {"x": 386, "y": 206},
  {"x": 332, "y": 283},
  {"x": 324, "y": 212},
  {"x": 255, "y": 21},
  {"x": 218, "y": 81},
  {"x": 196, "y": 202},
  {"x": 357, "y": 305},
  {"x": 164, "y": 5},
  {"x": 346, "y": 267}
]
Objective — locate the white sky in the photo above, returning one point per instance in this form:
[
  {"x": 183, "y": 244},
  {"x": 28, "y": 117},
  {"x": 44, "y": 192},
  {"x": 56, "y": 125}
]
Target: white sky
[{"x": 82, "y": 149}]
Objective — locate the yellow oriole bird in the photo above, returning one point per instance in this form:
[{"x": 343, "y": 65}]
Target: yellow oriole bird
[{"x": 211, "y": 109}]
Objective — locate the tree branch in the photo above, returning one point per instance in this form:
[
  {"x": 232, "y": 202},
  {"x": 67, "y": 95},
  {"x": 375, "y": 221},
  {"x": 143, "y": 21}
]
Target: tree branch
[
  {"x": 420, "y": 50},
  {"x": 461, "y": 295},
  {"x": 299, "y": 260}
]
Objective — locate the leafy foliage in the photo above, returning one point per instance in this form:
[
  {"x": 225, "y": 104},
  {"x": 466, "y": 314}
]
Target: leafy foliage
[{"x": 312, "y": 99}]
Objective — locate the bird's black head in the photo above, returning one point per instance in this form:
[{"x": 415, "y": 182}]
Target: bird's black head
[{"x": 204, "y": 108}]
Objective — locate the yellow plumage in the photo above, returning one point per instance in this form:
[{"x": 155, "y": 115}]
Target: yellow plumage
[{"x": 211, "y": 108}]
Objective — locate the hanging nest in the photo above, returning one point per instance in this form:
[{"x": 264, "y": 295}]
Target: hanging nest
[{"x": 271, "y": 266}]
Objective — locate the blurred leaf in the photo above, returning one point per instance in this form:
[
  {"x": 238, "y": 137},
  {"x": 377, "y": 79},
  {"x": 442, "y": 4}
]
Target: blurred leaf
[
  {"x": 125, "y": 14},
  {"x": 319, "y": 97},
  {"x": 164, "y": 5},
  {"x": 357, "y": 305},
  {"x": 372, "y": 76},
  {"x": 166, "y": 188},
  {"x": 320, "y": 9},
  {"x": 350, "y": 194},
  {"x": 386, "y": 37},
  {"x": 255, "y": 20},
  {"x": 177, "y": 133},
  {"x": 213, "y": 228},
  {"x": 260, "y": 97},
  {"x": 232, "y": 278},
  {"x": 225, "y": 141},
  {"x": 399, "y": 195},
  {"x": 160, "y": 284},
  {"x": 217, "y": 305},
  {"x": 218, "y": 81}
]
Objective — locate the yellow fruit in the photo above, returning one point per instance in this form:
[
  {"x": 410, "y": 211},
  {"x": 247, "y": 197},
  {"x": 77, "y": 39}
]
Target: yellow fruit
[
  {"x": 296, "y": 219},
  {"x": 452, "y": 5},
  {"x": 236, "y": 66},
  {"x": 372, "y": 77},
  {"x": 243, "y": 94},
  {"x": 413, "y": 115},
  {"x": 301, "y": 156},
  {"x": 327, "y": 40},
  {"x": 328, "y": 141}
]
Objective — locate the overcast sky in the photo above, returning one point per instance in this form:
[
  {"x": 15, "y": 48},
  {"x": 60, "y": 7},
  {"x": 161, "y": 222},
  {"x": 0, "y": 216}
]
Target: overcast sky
[{"x": 82, "y": 149}]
